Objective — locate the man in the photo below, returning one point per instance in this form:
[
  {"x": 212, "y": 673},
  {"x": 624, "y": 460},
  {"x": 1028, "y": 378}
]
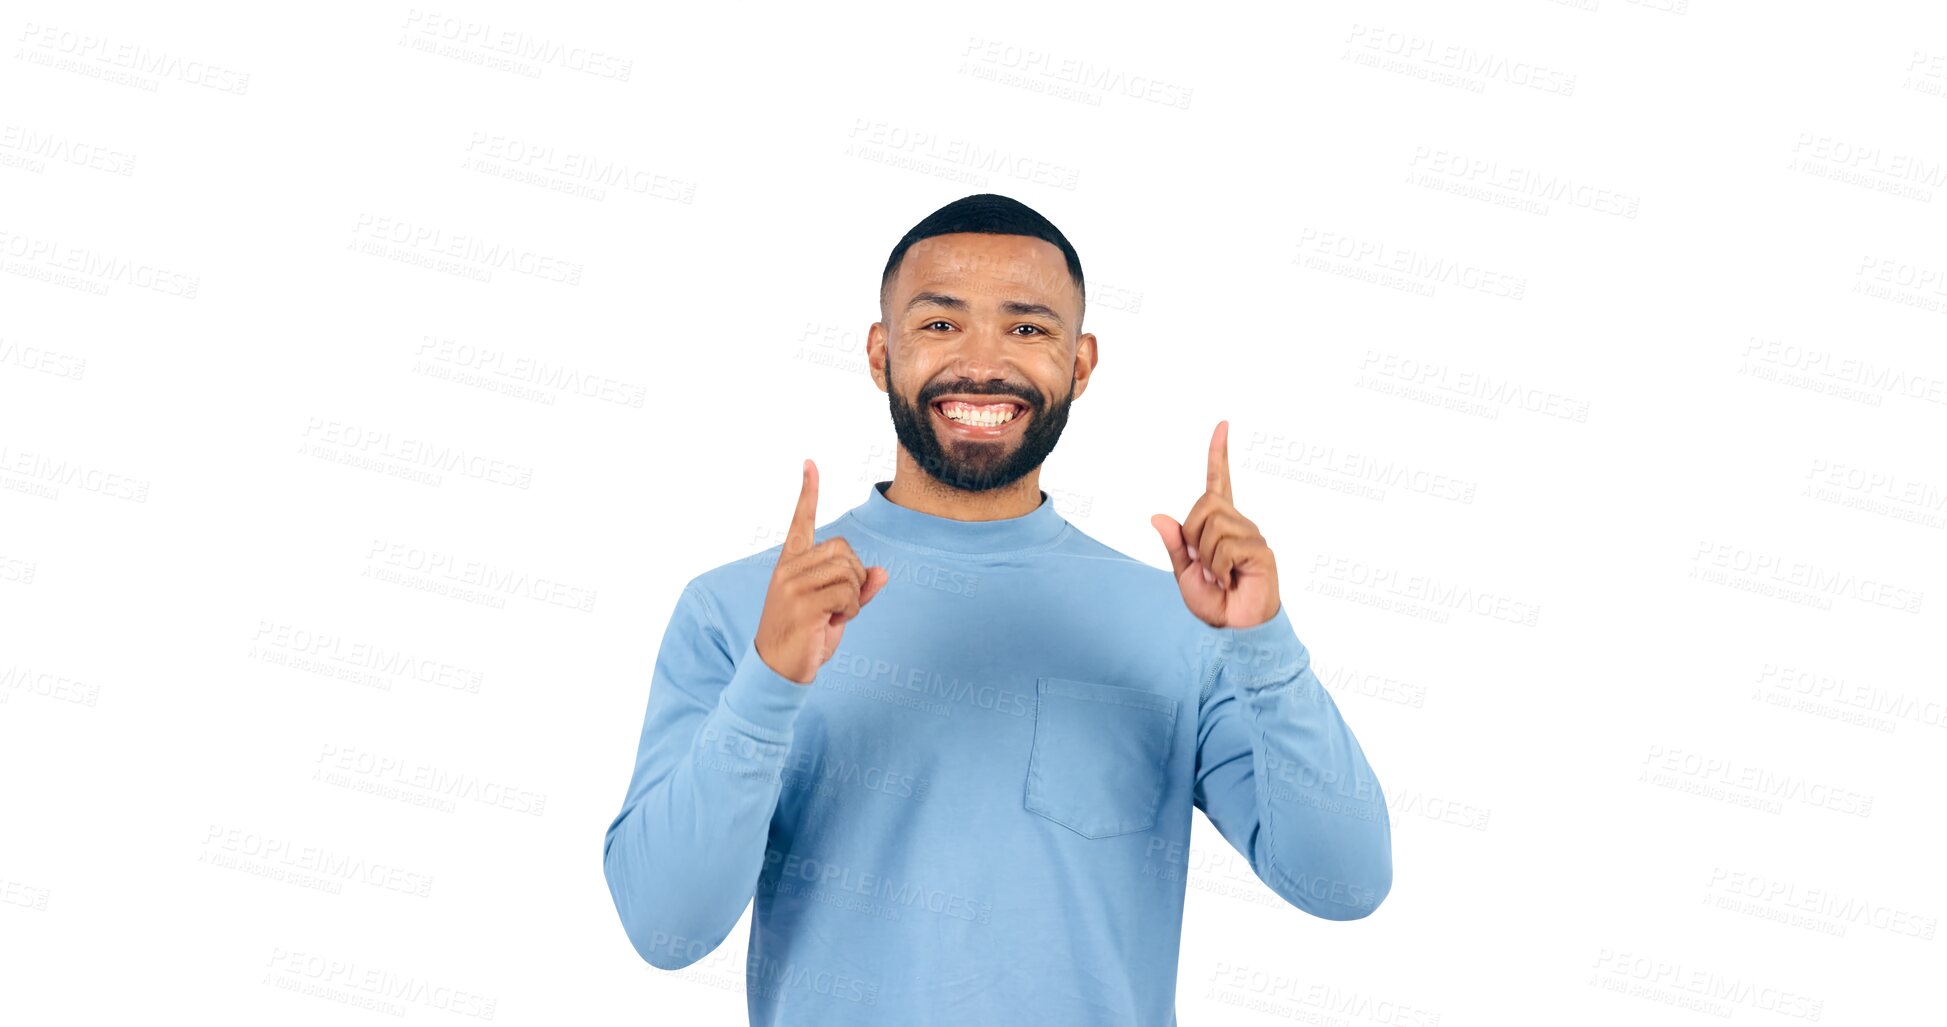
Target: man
[{"x": 949, "y": 742}]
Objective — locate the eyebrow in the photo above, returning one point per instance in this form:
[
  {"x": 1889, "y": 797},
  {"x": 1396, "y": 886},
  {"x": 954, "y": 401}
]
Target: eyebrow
[{"x": 940, "y": 299}]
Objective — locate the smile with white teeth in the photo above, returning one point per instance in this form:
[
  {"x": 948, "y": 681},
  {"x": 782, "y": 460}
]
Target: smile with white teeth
[{"x": 982, "y": 416}]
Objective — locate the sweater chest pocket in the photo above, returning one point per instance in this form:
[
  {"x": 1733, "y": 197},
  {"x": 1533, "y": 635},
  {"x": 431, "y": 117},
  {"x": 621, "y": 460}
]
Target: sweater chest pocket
[{"x": 1100, "y": 756}]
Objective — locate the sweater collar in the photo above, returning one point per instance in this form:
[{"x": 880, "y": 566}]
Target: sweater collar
[{"x": 888, "y": 520}]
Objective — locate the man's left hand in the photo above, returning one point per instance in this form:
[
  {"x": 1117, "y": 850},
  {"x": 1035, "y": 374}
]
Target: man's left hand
[{"x": 1223, "y": 565}]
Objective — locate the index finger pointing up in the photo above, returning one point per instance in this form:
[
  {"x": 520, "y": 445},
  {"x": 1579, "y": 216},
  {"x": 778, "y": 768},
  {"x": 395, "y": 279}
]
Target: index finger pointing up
[
  {"x": 1218, "y": 480},
  {"x": 804, "y": 519}
]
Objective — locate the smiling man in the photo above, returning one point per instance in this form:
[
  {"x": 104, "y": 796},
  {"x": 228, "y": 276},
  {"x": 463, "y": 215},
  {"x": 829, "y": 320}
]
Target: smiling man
[{"x": 948, "y": 742}]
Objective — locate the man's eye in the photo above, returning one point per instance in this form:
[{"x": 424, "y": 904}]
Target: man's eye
[
  {"x": 938, "y": 323},
  {"x": 1037, "y": 328}
]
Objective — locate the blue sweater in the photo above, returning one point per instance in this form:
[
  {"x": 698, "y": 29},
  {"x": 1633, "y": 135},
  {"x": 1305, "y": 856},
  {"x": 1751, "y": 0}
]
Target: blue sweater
[{"x": 979, "y": 812}]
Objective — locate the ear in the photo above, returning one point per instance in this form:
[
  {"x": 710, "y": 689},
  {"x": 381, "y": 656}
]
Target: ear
[
  {"x": 875, "y": 354},
  {"x": 1085, "y": 361}
]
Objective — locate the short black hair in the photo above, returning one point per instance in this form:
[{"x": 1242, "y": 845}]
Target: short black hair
[{"x": 984, "y": 212}]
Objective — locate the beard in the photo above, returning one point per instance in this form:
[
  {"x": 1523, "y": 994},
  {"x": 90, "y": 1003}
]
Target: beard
[{"x": 975, "y": 465}]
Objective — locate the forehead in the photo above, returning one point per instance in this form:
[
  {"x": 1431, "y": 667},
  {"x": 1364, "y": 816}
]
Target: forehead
[{"x": 981, "y": 262}]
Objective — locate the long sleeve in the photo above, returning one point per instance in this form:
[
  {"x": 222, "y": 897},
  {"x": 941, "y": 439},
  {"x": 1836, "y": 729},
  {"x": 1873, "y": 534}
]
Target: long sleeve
[
  {"x": 1282, "y": 778},
  {"x": 682, "y": 858}
]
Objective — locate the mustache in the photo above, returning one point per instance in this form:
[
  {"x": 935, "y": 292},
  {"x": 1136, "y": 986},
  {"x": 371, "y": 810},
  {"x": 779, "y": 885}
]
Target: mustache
[{"x": 963, "y": 387}]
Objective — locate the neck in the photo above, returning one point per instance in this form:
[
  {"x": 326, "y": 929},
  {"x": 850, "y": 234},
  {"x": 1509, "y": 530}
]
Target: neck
[{"x": 914, "y": 489}]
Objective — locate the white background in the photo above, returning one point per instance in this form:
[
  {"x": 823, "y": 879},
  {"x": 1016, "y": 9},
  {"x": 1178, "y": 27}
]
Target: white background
[{"x": 1584, "y": 365}]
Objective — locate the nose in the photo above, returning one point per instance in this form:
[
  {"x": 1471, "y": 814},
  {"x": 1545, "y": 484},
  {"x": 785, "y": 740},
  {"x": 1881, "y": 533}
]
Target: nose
[{"x": 981, "y": 355}]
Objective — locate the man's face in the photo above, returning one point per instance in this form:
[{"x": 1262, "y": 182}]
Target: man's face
[{"x": 978, "y": 353}]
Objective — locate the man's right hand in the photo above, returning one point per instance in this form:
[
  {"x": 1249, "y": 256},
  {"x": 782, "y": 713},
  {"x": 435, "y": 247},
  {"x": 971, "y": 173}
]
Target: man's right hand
[{"x": 815, "y": 590}]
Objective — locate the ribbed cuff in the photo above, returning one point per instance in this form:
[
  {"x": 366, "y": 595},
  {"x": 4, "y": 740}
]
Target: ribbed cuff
[
  {"x": 762, "y": 696},
  {"x": 1256, "y": 634},
  {"x": 1264, "y": 653}
]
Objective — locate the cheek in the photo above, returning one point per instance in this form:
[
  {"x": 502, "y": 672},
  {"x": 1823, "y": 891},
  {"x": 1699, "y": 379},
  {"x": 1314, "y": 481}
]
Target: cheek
[
  {"x": 911, "y": 371},
  {"x": 1054, "y": 385}
]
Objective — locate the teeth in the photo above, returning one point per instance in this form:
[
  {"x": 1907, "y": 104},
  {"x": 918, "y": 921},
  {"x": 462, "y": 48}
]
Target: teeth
[{"x": 979, "y": 416}]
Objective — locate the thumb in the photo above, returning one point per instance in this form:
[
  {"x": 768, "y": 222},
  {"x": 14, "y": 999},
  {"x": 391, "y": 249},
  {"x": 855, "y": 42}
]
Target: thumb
[
  {"x": 875, "y": 579},
  {"x": 1172, "y": 534}
]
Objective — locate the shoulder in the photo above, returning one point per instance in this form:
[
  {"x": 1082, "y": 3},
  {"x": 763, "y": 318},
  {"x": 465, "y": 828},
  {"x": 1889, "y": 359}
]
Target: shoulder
[
  {"x": 1112, "y": 569},
  {"x": 1080, "y": 544}
]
